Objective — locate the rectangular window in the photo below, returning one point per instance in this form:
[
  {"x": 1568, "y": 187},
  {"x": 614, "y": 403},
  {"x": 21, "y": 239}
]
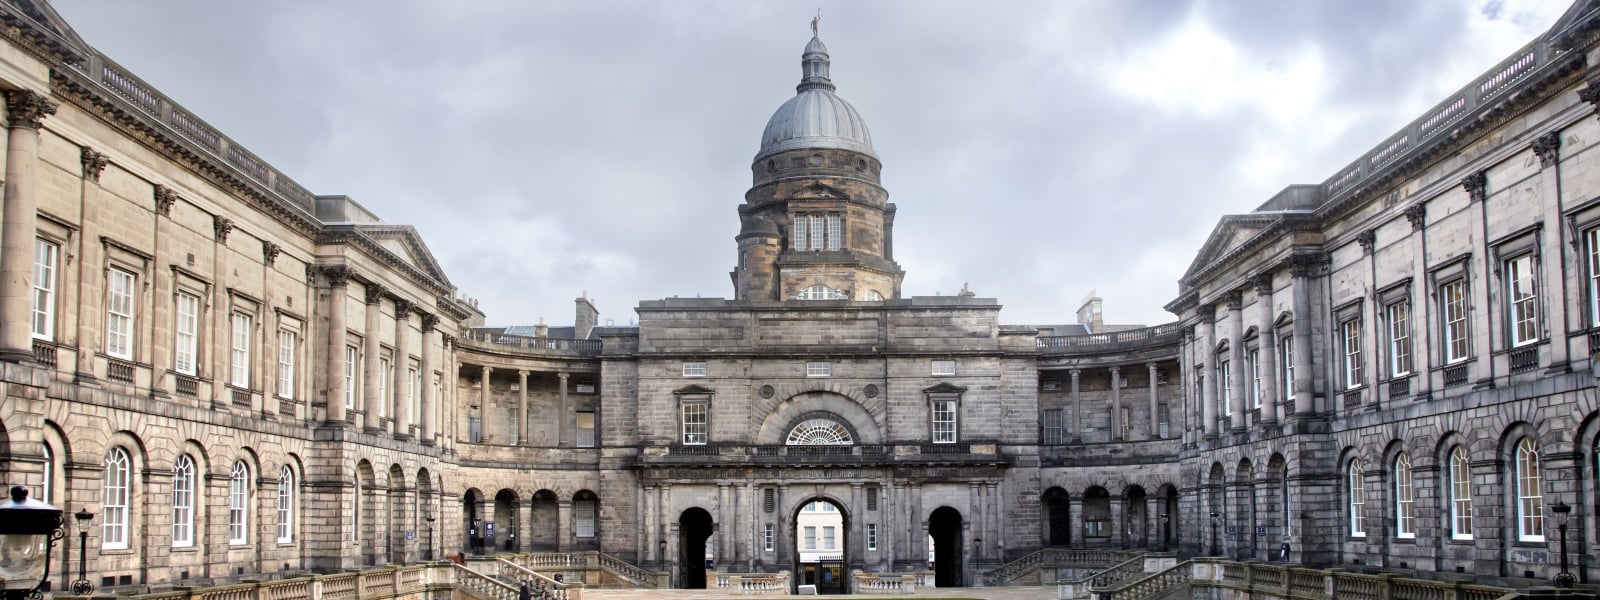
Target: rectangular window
[
  {"x": 1350, "y": 334},
  {"x": 239, "y": 352},
  {"x": 1254, "y": 360},
  {"x": 1591, "y": 240},
  {"x": 872, "y": 536},
  {"x": 835, "y": 231},
  {"x": 1125, "y": 426},
  {"x": 1162, "y": 416},
  {"x": 827, "y": 538},
  {"x": 1453, "y": 311},
  {"x": 1225, "y": 383},
  {"x": 185, "y": 340},
  {"x": 385, "y": 374},
  {"x": 872, "y": 498},
  {"x": 1053, "y": 430},
  {"x": 475, "y": 429},
  {"x": 584, "y": 511},
  {"x": 694, "y": 369},
  {"x": 819, "y": 369},
  {"x": 817, "y": 233},
  {"x": 45, "y": 255},
  {"x": 585, "y": 430},
  {"x": 1399, "y": 338},
  {"x": 694, "y": 423},
  {"x": 1522, "y": 299},
  {"x": 286, "y": 344},
  {"x": 801, "y": 227},
  {"x": 1404, "y": 502},
  {"x": 811, "y": 537},
  {"x": 349, "y": 377},
  {"x": 768, "y": 500},
  {"x": 944, "y": 368},
  {"x": 768, "y": 537},
  {"x": 119, "y": 313},
  {"x": 1460, "y": 495},
  {"x": 1288, "y": 367},
  {"x": 413, "y": 386},
  {"x": 944, "y": 421}
]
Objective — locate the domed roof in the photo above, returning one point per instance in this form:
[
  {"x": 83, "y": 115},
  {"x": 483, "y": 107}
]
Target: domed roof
[{"x": 815, "y": 117}]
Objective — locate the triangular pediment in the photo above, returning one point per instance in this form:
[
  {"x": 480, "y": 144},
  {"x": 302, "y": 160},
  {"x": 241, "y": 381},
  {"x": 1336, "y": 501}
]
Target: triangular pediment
[
  {"x": 694, "y": 390},
  {"x": 818, "y": 191},
  {"x": 403, "y": 243},
  {"x": 1231, "y": 232},
  {"x": 944, "y": 387},
  {"x": 45, "y": 16}
]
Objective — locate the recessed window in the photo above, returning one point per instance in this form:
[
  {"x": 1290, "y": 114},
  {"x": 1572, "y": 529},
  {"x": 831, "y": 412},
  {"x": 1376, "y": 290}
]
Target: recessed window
[
  {"x": 1460, "y": 487},
  {"x": 585, "y": 426},
  {"x": 1050, "y": 420},
  {"x": 187, "y": 333},
  {"x": 285, "y": 505},
  {"x": 239, "y": 505},
  {"x": 1225, "y": 383},
  {"x": 1530, "y": 492},
  {"x": 349, "y": 377},
  {"x": 694, "y": 369},
  {"x": 695, "y": 424},
  {"x": 1404, "y": 501},
  {"x": 1253, "y": 359},
  {"x": 45, "y": 256},
  {"x": 183, "y": 479},
  {"x": 944, "y": 421},
  {"x": 944, "y": 367},
  {"x": 239, "y": 352},
  {"x": 1287, "y": 350},
  {"x": 286, "y": 345},
  {"x": 1358, "y": 500},
  {"x": 820, "y": 292},
  {"x": 1522, "y": 299},
  {"x": 1398, "y": 317},
  {"x": 1453, "y": 312},
  {"x": 119, "y": 313},
  {"x": 1350, "y": 337},
  {"x": 768, "y": 538},
  {"x": 872, "y": 536},
  {"x": 819, "y": 231},
  {"x": 819, "y": 369},
  {"x": 114, "y": 501}
]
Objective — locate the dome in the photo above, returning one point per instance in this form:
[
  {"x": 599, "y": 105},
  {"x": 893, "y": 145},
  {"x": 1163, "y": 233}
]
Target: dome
[{"x": 815, "y": 117}]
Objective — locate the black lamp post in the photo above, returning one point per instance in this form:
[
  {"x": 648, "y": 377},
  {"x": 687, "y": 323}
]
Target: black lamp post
[
  {"x": 1166, "y": 534},
  {"x": 1216, "y": 519},
  {"x": 661, "y": 553},
  {"x": 28, "y": 528},
  {"x": 1563, "y": 511},
  {"x": 81, "y": 586},
  {"x": 429, "y": 553}
]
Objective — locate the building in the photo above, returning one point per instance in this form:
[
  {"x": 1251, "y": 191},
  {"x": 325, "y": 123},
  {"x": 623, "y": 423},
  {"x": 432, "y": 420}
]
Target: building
[{"x": 244, "y": 379}]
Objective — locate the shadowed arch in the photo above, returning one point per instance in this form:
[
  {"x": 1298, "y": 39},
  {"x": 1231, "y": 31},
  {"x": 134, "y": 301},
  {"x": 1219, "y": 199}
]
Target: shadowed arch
[{"x": 776, "y": 426}]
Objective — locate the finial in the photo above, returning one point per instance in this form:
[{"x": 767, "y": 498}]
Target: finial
[{"x": 814, "y": 21}]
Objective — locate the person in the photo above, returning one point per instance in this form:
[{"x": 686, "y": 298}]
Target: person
[
  {"x": 526, "y": 593},
  {"x": 1283, "y": 550}
]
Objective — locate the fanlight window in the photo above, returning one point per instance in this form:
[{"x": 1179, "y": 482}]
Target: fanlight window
[
  {"x": 820, "y": 292},
  {"x": 819, "y": 432}
]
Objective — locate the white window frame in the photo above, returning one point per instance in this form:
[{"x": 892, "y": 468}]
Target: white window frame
[
  {"x": 1224, "y": 383},
  {"x": 1460, "y": 489},
  {"x": 818, "y": 233},
  {"x": 1522, "y": 300},
  {"x": 819, "y": 369},
  {"x": 769, "y": 536},
  {"x": 46, "y": 259},
  {"x": 1530, "y": 492},
  {"x": 286, "y": 502},
  {"x": 1287, "y": 352},
  {"x": 694, "y": 369},
  {"x": 186, "y": 333},
  {"x": 287, "y": 341},
  {"x": 121, "y": 309},
  {"x": 183, "y": 495},
  {"x": 695, "y": 422},
  {"x": 584, "y": 519},
  {"x": 1253, "y": 358},
  {"x": 1456, "y": 324},
  {"x": 1591, "y": 240},
  {"x": 1053, "y": 425},
  {"x": 829, "y": 539},
  {"x": 239, "y": 504},
  {"x": 872, "y": 537},
  {"x": 115, "y": 494},
  {"x": 835, "y": 231},
  {"x": 1398, "y": 316},
  {"x": 1405, "y": 508},
  {"x": 239, "y": 350},
  {"x": 944, "y": 420},
  {"x": 801, "y": 226},
  {"x": 385, "y": 375},
  {"x": 585, "y": 435},
  {"x": 811, "y": 537},
  {"x": 350, "y": 359},
  {"x": 1357, "y": 499},
  {"x": 1350, "y": 352},
  {"x": 47, "y": 484},
  {"x": 942, "y": 368}
]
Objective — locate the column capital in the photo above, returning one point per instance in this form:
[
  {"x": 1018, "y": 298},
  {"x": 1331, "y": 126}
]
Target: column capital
[
  {"x": 430, "y": 322},
  {"x": 1477, "y": 185},
  {"x": 1262, "y": 283},
  {"x": 221, "y": 226},
  {"x": 563, "y": 376},
  {"x": 1367, "y": 239},
  {"x": 1548, "y": 149},
  {"x": 338, "y": 275},
  {"x": 523, "y": 373},
  {"x": 1152, "y": 366},
  {"x": 1115, "y": 370},
  {"x": 1206, "y": 313},
  {"x": 1307, "y": 265},
  {"x": 1075, "y": 373},
  {"x": 1590, "y": 94},
  {"x": 402, "y": 309},
  {"x": 93, "y": 163},
  {"x": 375, "y": 293},
  {"x": 487, "y": 369},
  {"x": 270, "y": 252},
  {"x": 1417, "y": 214},
  {"x": 1234, "y": 299},
  {"x": 26, "y": 109},
  {"x": 165, "y": 197}
]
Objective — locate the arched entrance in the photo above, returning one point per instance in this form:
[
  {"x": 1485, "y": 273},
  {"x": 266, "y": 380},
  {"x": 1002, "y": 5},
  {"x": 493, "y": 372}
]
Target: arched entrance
[
  {"x": 822, "y": 539},
  {"x": 503, "y": 534},
  {"x": 1057, "y": 517},
  {"x": 470, "y": 520},
  {"x": 1138, "y": 529},
  {"x": 694, "y": 529},
  {"x": 545, "y": 522},
  {"x": 1096, "y": 515},
  {"x": 1168, "y": 517},
  {"x": 944, "y": 528}
]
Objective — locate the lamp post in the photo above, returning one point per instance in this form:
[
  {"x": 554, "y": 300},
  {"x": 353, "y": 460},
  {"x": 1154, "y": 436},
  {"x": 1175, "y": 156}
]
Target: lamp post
[
  {"x": 429, "y": 554},
  {"x": 1166, "y": 534},
  {"x": 661, "y": 554},
  {"x": 1216, "y": 519},
  {"x": 81, "y": 586},
  {"x": 28, "y": 528},
  {"x": 1565, "y": 578}
]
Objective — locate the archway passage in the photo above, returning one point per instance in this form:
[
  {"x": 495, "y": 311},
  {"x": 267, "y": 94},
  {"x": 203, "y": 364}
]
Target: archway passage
[
  {"x": 944, "y": 527},
  {"x": 694, "y": 529},
  {"x": 545, "y": 522},
  {"x": 470, "y": 521},
  {"x": 1138, "y": 528},
  {"x": 1057, "y": 519},
  {"x": 821, "y": 535},
  {"x": 503, "y": 535},
  {"x": 1169, "y": 518}
]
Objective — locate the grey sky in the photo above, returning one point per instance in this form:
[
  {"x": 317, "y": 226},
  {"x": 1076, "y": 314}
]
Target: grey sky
[{"x": 1036, "y": 150}]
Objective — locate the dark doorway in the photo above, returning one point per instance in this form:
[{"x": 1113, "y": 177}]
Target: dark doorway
[
  {"x": 822, "y": 542},
  {"x": 470, "y": 521},
  {"x": 944, "y": 527},
  {"x": 694, "y": 528},
  {"x": 1097, "y": 516},
  {"x": 1057, "y": 517},
  {"x": 1138, "y": 529},
  {"x": 544, "y": 522},
  {"x": 1169, "y": 518},
  {"x": 505, "y": 527}
]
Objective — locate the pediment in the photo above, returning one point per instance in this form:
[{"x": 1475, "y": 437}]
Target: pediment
[
  {"x": 403, "y": 243},
  {"x": 1231, "y": 232},
  {"x": 818, "y": 191},
  {"x": 46, "y": 17},
  {"x": 694, "y": 390},
  {"x": 1284, "y": 318},
  {"x": 944, "y": 387}
]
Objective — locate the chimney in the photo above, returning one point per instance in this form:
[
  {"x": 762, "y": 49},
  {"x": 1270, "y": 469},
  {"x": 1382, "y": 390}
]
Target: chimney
[
  {"x": 588, "y": 316},
  {"x": 541, "y": 330},
  {"x": 1089, "y": 313}
]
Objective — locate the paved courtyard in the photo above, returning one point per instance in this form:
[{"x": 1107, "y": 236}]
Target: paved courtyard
[{"x": 994, "y": 593}]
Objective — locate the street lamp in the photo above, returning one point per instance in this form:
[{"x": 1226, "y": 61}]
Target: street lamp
[
  {"x": 1563, "y": 511},
  {"x": 1166, "y": 533},
  {"x": 429, "y": 554},
  {"x": 1216, "y": 519},
  {"x": 82, "y": 587},
  {"x": 661, "y": 553},
  {"x": 28, "y": 528}
]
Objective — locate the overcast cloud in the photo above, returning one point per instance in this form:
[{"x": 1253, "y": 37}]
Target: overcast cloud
[{"x": 1036, "y": 150}]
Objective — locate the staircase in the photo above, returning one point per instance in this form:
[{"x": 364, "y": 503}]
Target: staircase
[
  {"x": 1027, "y": 569},
  {"x": 586, "y": 565}
]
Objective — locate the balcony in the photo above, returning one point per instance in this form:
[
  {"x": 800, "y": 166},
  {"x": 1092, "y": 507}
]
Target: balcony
[
  {"x": 863, "y": 454},
  {"x": 545, "y": 346},
  {"x": 1133, "y": 339}
]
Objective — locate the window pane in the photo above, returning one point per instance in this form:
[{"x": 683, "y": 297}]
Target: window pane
[
  {"x": 1522, "y": 298},
  {"x": 835, "y": 232},
  {"x": 114, "y": 501},
  {"x": 694, "y": 423},
  {"x": 239, "y": 504},
  {"x": 1399, "y": 339},
  {"x": 1453, "y": 305},
  {"x": 187, "y": 333},
  {"x": 1530, "y": 492},
  {"x": 183, "y": 502},
  {"x": 119, "y": 313},
  {"x": 286, "y": 343},
  {"x": 44, "y": 288},
  {"x": 240, "y": 351},
  {"x": 1352, "y": 353},
  {"x": 1460, "y": 494}
]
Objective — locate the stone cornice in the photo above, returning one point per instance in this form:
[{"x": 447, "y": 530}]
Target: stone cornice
[{"x": 348, "y": 235}]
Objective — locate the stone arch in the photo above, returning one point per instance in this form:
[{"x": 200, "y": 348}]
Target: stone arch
[
  {"x": 1056, "y": 516},
  {"x": 1136, "y": 518},
  {"x": 585, "y": 520},
  {"x": 471, "y": 518},
  {"x": 788, "y": 391},
  {"x": 544, "y": 520},
  {"x": 364, "y": 512},
  {"x": 399, "y": 519},
  {"x": 782, "y": 417}
]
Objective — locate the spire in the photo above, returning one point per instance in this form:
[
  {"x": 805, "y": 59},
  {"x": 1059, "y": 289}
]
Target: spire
[{"x": 814, "y": 62}]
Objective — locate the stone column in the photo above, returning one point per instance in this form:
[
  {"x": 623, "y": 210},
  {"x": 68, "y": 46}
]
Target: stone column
[
  {"x": 1422, "y": 332},
  {"x": 857, "y": 548},
  {"x": 1155, "y": 419},
  {"x": 371, "y": 370},
  {"x": 886, "y": 531},
  {"x": 647, "y": 520},
  {"x": 25, "y": 111},
  {"x": 1555, "y": 253},
  {"x": 1077, "y": 409},
  {"x": 430, "y": 404},
  {"x": 1186, "y": 379},
  {"x": 725, "y": 513},
  {"x": 1301, "y": 269},
  {"x": 483, "y": 405},
  {"x": 90, "y": 276},
  {"x": 1075, "y": 519},
  {"x": 338, "y": 289},
  {"x": 405, "y": 416},
  {"x": 564, "y": 416},
  {"x": 1208, "y": 370},
  {"x": 522, "y": 407},
  {"x": 1267, "y": 352},
  {"x": 219, "y": 332},
  {"x": 564, "y": 531},
  {"x": 975, "y": 520},
  {"x": 1237, "y": 375},
  {"x": 1116, "y": 404}
]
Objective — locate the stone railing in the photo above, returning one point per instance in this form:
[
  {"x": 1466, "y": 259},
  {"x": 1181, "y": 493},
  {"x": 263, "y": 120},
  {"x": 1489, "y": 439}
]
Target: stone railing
[
  {"x": 1117, "y": 340},
  {"x": 1051, "y": 558},
  {"x": 548, "y": 560},
  {"x": 1266, "y": 580},
  {"x": 621, "y": 568},
  {"x": 376, "y": 584},
  {"x": 521, "y": 573},
  {"x": 884, "y": 583},
  {"x": 975, "y": 452},
  {"x": 755, "y": 584},
  {"x": 484, "y": 585},
  {"x": 536, "y": 345}
]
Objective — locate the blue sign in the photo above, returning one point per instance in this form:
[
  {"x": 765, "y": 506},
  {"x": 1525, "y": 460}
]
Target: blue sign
[
  {"x": 1261, "y": 530},
  {"x": 410, "y": 534},
  {"x": 488, "y": 529},
  {"x": 1233, "y": 530}
]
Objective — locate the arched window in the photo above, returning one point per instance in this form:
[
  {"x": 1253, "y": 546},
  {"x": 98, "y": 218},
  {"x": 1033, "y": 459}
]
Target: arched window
[
  {"x": 47, "y": 488},
  {"x": 1404, "y": 507},
  {"x": 286, "y": 505},
  {"x": 1530, "y": 493},
  {"x": 114, "y": 501},
  {"x": 355, "y": 511},
  {"x": 239, "y": 504},
  {"x": 819, "y": 432},
  {"x": 1460, "y": 482},
  {"x": 820, "y": 292},
  {"x": 183, "y": 502},
  {"x": 872, "y": 296},
  {"x": 1358, "y": 501}
]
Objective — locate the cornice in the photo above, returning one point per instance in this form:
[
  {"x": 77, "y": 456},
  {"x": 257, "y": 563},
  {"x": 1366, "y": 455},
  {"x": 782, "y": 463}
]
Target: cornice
[{"x": 350, "y": 236}]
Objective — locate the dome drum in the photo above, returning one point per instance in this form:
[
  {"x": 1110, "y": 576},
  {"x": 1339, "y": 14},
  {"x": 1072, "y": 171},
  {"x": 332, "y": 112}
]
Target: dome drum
[{"x": 815, "y": 163}]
